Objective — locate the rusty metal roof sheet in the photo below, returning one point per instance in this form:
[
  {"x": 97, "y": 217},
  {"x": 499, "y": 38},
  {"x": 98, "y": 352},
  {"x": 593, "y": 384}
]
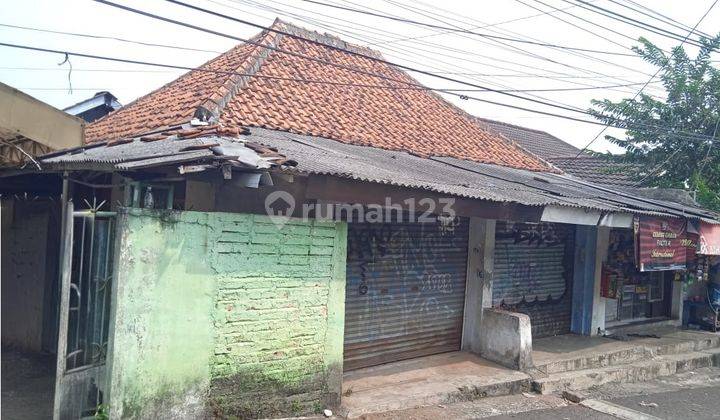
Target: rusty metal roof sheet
[{"x": 316, "y": 155}]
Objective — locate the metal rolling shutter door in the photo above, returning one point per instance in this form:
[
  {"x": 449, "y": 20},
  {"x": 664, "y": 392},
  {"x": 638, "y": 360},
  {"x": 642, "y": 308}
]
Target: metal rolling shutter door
[
  {"x": 535, "y": 278},
  {"x": 405, "y": 291}
]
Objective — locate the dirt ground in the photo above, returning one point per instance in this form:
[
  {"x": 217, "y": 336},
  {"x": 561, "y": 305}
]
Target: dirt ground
[{"x": 28, "y": 381}]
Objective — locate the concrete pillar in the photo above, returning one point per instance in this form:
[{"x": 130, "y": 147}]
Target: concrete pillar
[
  {"x": 598, "y": 312},
  {"x": 478, "y": 287},
  {"x": 588, "y": 307},
  {"x": 583, "y": 279}
]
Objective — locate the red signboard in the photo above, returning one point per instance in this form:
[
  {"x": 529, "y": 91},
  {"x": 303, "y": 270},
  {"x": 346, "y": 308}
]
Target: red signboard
[
  {"x": 660, "y": 243},
  {"x": 709, "y": 239}
]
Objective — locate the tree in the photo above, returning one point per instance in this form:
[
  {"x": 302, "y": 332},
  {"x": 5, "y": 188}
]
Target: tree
[{"x": 673, "y": 143}]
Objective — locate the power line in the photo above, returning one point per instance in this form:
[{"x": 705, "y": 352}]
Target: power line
[
  {"x": 354, "y": 53},
  {"x": 648, "y": 82},
  {"x": 321, "y": 61},
  {"x": 473, "y": 28},
  {"x": 93, "y": 36},
  {"x": 689, "y": 136},
  {"x": 544, "y": 58},
  {"x": 655, "y": 12},
  {"x": 416, "y": 10},
  {"x": 432, "y": 59},
  {"x": 634, "y": 22},
  {"x": 665, "y": 21},
  {"x": 430, "y": 25},
  {"x": 376, "y": 87},
  {"x": 584, "y": 20}
]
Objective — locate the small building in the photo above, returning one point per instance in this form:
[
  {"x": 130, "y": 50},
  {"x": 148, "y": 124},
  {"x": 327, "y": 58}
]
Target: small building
[
  {"x": 30, "y": 128},
  {"x": 235, "y": 242},
  {"x": 92, "y": 109}
]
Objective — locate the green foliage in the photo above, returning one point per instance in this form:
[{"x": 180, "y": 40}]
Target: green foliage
[
  {"x": 672, "y": 143},
  {"x": 101, "y": 412}
]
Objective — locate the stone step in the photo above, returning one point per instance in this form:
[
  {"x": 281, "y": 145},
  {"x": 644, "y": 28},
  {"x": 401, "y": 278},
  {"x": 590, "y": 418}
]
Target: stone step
[
  {"x": 432, "y": 394},
  {"x": 630, "y": 355},
  {"x": 635, "y": 372}
]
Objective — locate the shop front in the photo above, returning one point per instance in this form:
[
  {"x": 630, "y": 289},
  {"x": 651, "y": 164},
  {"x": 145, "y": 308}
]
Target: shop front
[
  {"x": 405, "y": 291},
  {"x": 643, "y": 266},
  {"x": 701, "y": 307}
]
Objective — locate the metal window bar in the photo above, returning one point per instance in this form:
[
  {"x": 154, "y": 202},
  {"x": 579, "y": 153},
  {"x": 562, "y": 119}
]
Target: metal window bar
[{"x": 92, "y": 274}]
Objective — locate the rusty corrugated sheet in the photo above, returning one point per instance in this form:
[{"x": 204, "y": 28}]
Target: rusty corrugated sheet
[{"x": 405, "y": 292}]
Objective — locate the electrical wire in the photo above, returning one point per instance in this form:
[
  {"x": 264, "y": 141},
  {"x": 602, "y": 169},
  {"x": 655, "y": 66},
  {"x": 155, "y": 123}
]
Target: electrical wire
[
  {"x": 667, "y": 22},
  {"x": 413, "y": 38},
  {"x": 430, "y": 25},
  {"x": 95, "y": 36},
  {"x": 544, "y": 58},
  {"x": 648, "y": 82},
  {"x": 634, "y": 22},
  {"x": 360, "y": 71},
  {"x": 655, "y": 12},
  {"x": 406, "y": 52},
  {"x": 317, "y": 60},
  {"x": 689, "y": 136},
  {"x": 429, "y": 59}
]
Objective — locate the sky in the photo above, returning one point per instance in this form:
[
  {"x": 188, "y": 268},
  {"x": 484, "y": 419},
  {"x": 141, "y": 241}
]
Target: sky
[{"x": 476, "y": 59}]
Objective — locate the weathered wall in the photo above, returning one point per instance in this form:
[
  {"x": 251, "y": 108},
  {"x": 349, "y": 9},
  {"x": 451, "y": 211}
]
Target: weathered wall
[
  {"x": 226, "y": 315},
  {"x": 24, "y": 248},
  {"x": 506, "y": 338}
]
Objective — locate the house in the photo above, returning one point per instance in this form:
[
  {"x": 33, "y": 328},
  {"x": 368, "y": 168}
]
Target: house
[
  {"x": 234, "y": 242},
  {"x": 30, "y": 128},
  {"x": 91, "y": 109},
  {"x": 576, "y": 163}
]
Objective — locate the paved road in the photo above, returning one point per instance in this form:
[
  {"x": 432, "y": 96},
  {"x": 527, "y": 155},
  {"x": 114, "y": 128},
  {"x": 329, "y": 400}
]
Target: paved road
[
  {"x": 685, "y": 396},
  {"x": 571, "y": 412},
  {"x": 690, "y": 404},
  {"x": 695, "y": 404}
]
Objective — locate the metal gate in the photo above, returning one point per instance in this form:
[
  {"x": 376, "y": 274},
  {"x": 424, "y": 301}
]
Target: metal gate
[
  {"x": 405, "y": 291},
  {"x": 533, "y": 274},
  {"x": 86, "y": 274}
]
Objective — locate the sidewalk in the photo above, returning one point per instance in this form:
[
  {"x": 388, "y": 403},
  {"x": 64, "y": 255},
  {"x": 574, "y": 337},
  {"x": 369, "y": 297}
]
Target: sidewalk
[{"x": 561, "y": 362}]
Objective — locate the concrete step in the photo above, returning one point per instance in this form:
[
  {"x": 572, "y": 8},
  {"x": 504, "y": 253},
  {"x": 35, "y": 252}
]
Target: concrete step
[
  {"x": 639, "y": 371},
  {"x": 640, "y": 352},
  {"x": 432, "y": 394}
]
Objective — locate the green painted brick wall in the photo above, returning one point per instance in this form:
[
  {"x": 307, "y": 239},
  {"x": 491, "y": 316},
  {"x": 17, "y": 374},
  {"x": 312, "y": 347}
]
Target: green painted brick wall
[{"x": 226, "y": 315}]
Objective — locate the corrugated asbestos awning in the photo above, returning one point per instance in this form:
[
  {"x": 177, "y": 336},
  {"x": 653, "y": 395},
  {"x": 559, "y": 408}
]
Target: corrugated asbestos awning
[
  {"x": 140, "y": 153},
  {"x": 260, "y": 149},
  {"x": 462, "y": 178}
]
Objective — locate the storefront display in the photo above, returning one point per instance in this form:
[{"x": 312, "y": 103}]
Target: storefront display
[{"x": 631, "y": 294}]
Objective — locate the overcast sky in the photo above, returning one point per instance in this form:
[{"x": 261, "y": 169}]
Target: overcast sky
[{"x": 473, "y": 59}]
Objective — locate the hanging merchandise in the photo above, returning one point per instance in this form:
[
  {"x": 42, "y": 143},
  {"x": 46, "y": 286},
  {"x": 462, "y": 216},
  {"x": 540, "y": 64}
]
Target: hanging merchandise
[
  {"x": 709, "y": 239},
  {"x": 609, "y": 282}
]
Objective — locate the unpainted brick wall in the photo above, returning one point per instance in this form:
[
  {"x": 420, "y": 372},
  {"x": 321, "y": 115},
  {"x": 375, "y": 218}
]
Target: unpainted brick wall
[{"x": 276, "y": 287}]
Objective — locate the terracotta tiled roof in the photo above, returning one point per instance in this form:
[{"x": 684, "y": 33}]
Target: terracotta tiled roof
[
  {"x": 598, "y": 170},
  {"x": 538, "y": 142},
  {"x": 565, "y": 156},
  {"x": 283, "y": 94}
]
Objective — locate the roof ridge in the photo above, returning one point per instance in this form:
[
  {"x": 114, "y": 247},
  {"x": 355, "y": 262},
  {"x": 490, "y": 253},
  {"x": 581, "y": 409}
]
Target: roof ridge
[
  {"x": 324, "y": 38},
  {"x": 211, "y": 108},
  {"x": 189, "y": 72},
  {"x": 535, "y": 130}
]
